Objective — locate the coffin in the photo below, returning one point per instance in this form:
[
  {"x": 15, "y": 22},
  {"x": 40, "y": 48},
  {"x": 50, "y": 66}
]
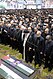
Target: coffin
[{"x": 12, "y": 68}]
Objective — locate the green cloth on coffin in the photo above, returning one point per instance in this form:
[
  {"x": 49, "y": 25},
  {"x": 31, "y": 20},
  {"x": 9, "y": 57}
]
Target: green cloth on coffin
[
  {"x": 4, "y": 74},
  {"x": 8, "y": 73},
  {"x": 17, "y": 67}
]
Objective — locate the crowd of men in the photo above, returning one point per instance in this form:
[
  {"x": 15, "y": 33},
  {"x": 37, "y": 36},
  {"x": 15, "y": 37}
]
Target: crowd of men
[{"x": 31, "y": 32}]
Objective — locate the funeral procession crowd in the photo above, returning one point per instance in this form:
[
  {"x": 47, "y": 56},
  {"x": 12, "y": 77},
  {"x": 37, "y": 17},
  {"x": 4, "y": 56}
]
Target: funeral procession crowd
[{"x": 31, "y": 31}]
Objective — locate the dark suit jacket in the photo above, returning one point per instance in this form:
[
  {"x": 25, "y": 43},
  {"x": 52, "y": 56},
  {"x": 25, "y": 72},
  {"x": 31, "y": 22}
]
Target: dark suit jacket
[
  {"x": 49, "y": 48},
  {"x": 40, "y": 44}
]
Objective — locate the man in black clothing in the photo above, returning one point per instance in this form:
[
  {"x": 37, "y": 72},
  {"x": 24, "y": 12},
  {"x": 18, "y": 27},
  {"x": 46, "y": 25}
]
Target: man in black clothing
[
  {"x": 48, "y": 52},
  {"x": 28, "y": 45},
  {"x": 39, "y": 49},
  {"x": 0, "y": 34},
  {"x": 4, "y": 35},
  {"x": 30, "y": 48}
]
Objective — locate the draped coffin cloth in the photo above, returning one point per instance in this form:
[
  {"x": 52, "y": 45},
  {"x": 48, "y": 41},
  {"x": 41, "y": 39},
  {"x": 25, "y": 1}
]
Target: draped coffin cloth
[
  {"x": 17, "y": 67},
  {"x": 7, "y": 73}
]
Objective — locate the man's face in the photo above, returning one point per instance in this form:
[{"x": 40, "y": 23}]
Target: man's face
[{"x": 46, "y": 31}]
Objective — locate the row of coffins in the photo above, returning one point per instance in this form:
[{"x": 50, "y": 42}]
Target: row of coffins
[{"x": 12, "y": 68}]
